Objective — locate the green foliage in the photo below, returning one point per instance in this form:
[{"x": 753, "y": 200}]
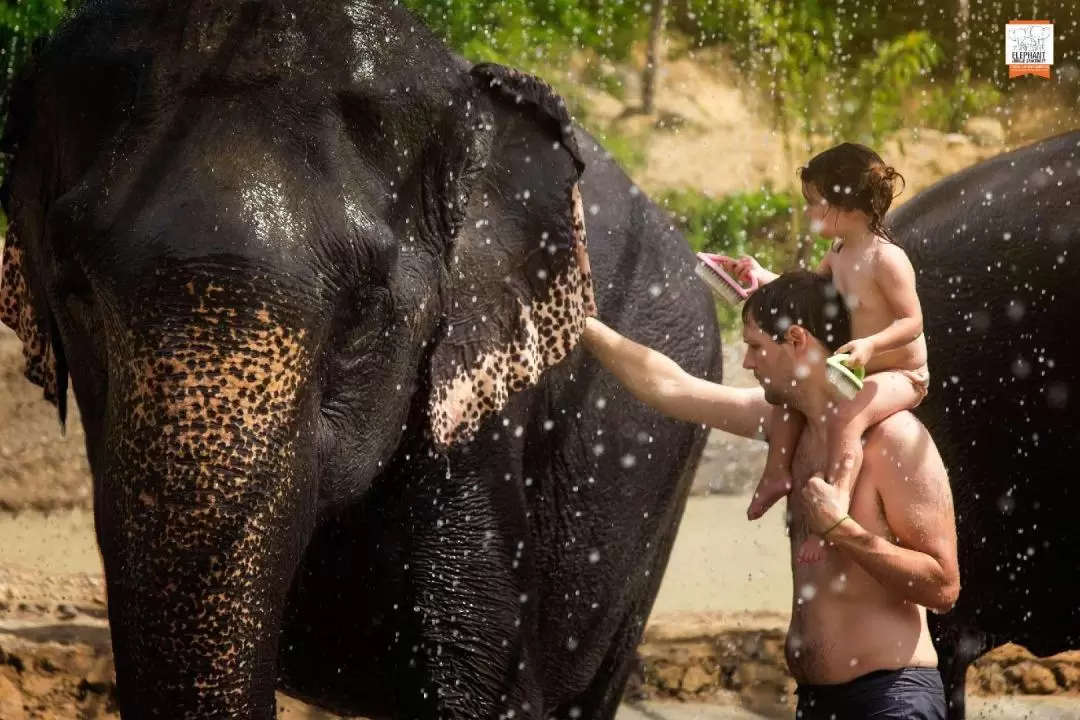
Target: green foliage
[
  {"x": 946, "y": 105},
  {"x": 798, "y": 52},
  {"x": 732, "y": 224},
  {"x": 873, "y": 99},
  {"x": 21, "y": 22},
  {"x": 533, "y": 34}
]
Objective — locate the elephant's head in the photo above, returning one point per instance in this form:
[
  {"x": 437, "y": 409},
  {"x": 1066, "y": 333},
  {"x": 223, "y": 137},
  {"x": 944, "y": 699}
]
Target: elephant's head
[{"x": 265, "y": 241}]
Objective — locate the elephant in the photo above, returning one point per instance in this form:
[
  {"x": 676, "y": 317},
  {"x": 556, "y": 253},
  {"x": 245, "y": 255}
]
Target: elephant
[
  {"x": 990, "y": 246},
  {"x": 318, "y": 290}
]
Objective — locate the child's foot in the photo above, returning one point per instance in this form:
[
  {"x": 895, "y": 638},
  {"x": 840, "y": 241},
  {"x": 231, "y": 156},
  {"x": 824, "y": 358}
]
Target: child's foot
[
  {"x": 772, "y": 486},
  {"x": 812, "y": 550}
]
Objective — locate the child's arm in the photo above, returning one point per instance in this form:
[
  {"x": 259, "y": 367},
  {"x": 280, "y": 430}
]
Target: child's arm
[
  {"x": 751, "y": 266},
  {"x": 896, "y": 278}
]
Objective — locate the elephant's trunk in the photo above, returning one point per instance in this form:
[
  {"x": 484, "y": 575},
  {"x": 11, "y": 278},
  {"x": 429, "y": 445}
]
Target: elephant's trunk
[{"x": 202, "y": 509}]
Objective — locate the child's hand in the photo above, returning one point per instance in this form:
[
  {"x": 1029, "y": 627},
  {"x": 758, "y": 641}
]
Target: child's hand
[
  {"x": 744, "y": 269},
  {"x": 751, "y": 270},
  {"x": 860, "y": 352},
  {"x": 731, "y": 266}
]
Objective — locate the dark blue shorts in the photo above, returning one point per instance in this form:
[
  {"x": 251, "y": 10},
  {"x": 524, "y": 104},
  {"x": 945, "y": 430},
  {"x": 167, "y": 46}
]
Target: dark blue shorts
[{"x": 906, "y": 694}]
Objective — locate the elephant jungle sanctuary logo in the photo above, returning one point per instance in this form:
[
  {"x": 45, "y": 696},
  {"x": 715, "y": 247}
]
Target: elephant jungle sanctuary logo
[{"x": 1029, "y": 47}]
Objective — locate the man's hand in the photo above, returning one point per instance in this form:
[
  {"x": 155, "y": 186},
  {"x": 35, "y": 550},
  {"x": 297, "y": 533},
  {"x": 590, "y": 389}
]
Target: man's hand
[
  {"x": 860, "y": 351},
  {"x": 825, "y": 504}
]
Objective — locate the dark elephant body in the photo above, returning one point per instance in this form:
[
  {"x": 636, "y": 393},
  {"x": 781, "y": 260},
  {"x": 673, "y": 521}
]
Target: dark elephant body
[
  {"x": 589, "y": 506},
  {"x": 318, "y": 288},
  {"x": 994, "y": 248}
]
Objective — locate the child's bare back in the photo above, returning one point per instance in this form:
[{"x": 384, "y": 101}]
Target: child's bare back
[{"x": 871, "y": 278}]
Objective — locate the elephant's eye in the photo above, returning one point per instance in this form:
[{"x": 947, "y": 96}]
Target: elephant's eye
[{"x": 370, "y": 316}]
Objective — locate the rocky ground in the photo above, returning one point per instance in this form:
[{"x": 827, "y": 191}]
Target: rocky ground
[{"x": 55, "y": 662}]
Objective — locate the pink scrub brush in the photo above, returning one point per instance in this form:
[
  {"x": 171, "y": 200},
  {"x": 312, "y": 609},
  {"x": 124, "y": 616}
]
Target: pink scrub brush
[{"x": 718, "y": 280}]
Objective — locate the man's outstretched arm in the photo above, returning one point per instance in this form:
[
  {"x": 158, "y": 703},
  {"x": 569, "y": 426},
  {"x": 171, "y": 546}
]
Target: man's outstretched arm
[
  {"x": 658, "y": 381},
  {"x": 914, "y": 487}
]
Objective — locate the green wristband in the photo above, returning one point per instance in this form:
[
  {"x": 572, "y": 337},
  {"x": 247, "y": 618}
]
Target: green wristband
[{"x": 835, "y": 525}]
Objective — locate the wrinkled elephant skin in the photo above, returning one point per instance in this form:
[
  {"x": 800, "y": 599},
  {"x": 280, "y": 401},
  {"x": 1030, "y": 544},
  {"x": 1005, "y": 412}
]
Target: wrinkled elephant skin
[
  {"x": 316, "y": 286},
  {"x": 995, "y": 251}
]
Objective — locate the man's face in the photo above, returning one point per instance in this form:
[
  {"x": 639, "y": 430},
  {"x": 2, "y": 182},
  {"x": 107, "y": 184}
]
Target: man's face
[
  {"x": 784, "y": 369},
  {"x": 767, "y": 359}
]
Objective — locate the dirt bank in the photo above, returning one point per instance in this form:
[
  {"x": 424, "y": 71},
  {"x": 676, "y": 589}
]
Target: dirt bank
[
  {"x": 55, "y": 664},
  {"x": 703, "y": 658}
]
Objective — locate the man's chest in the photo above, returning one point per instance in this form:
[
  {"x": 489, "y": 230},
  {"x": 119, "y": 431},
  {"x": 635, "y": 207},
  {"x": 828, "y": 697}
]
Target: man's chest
[
  {"x": 809, "y": 459},
  {"x": 865, "y": 506}
]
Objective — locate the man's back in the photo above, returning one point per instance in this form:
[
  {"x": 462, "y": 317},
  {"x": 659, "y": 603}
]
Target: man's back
[{"x": 844, "y": 622}]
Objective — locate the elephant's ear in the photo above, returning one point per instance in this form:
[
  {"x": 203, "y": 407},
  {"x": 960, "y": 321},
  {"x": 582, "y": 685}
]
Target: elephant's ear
[
  {"x": 519, "y": 282},
  {"x": 17, "y": 312},
  {"x": 17, "y": 309}
]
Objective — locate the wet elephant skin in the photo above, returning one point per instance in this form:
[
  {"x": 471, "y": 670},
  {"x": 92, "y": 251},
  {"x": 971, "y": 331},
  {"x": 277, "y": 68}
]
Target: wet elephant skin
[{"x": 994, "y": 248}]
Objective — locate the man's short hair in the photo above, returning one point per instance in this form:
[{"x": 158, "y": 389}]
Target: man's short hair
[{"x": 804, "y": 298}]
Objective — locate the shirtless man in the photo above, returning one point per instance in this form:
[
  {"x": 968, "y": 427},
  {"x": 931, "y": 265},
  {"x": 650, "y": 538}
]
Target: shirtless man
[{"x": 858, "y": 643}]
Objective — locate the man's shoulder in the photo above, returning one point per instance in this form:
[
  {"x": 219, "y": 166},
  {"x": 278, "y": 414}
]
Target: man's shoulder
[
  {"x": 898, "y": 426},
  {"x": 901, "y": 440}
]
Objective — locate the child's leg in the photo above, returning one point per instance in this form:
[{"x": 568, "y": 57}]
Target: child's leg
[
  {"x": 883, "y": 394},
  {"x": 785, "y": 427}
]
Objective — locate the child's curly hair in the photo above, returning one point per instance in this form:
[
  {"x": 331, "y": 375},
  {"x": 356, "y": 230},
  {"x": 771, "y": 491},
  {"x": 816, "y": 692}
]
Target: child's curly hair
[{"x": 851, "y": 176}]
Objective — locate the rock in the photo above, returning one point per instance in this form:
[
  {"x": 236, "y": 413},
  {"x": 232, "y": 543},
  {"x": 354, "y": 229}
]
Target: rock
[
  {"x": 1033, "y": 678},
  {"x": 695, "y": 680},
  {"x": 957, "y": 140},
  {"x": 39, "y": 686},
  {"x": 11, "y": 702},
  {"x": 1008, "y": 654},
  {"x": 990, "y": 679},
  {"x": 669, "y": 677},
  {"x": 985, "y": 131},
  {"x": 101, "y": 676},
  {"x": 761, "y": 677},
  {"x": 1068, "y": 676}
]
